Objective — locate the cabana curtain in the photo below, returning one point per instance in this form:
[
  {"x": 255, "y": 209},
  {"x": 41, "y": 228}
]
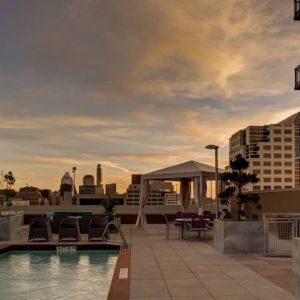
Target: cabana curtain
[
  {"x": 185, "y": 192},
  {"x": 141, "y": 219}
]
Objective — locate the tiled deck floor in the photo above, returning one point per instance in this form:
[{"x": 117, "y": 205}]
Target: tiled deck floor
[
  {"x": 186, "y": 270},
  {"x": 183, "y": 270}
]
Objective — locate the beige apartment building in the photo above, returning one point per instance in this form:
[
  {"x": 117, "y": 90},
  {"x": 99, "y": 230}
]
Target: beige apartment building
[{"x": 273, "y": 152}]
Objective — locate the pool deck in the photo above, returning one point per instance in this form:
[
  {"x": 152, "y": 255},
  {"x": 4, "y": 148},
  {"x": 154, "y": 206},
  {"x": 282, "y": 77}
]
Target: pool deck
[{"x": 184, "y": 270}]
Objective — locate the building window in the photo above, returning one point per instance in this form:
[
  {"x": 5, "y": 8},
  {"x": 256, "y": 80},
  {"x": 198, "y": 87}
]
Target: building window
[
  {"x": 267, "y": 179},
  {"x": 288, "y": 179},
  {"x": 278, "y": 140},
  {"x": 256, "y": 171},
  {"x": 277, "y": 171},
  {"x": 267, "y": 147},
  {"x": 277, "y": 180},
  {"x": 288, "y": 163},
  {"x": 277, "y": 131},
  {"x": 256, "y": 188},
  {"x": 267, "y": 163},
  {"x": 267, "y": 171},
  {"x": 287, "y": 131},
  {"x": 288, "y": 148},
  {"x": 267, "y": 187},
  {"x": 277, "y": 147},
  {"x": 287, "y": 140},
  {"x": 288, "y": 187},
  {"x": 277, "y": 163},
  {"x": 277, "y": 187},
  {"x": 277, "y": 155},
  {"x": 287, "y": 155},
  {"x": 267, "y": 155},
  {"x": 256, "y": 163}
]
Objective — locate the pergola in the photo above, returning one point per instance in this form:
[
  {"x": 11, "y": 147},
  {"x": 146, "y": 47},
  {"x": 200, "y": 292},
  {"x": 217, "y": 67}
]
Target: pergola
[{"x": 185, "y": 173}]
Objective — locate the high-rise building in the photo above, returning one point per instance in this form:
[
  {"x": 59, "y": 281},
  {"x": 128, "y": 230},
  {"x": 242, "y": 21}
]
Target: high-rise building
[
  {"x": 99, "y": 175},
  {"x": 157, "y": 193},
  {"x": 66, "y": 187},
  {"x": 88, "y": 186},
  {"x": 273, "y": 152},
  {"x": 136, "y": 179},
  {"x": 99, "y": 185},
  {"x": 111, "y": 189}
]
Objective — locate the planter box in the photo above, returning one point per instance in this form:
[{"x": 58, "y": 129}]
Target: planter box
[
  {"x": 10, "y": 227},
  {"x": 239, "y": 236}
]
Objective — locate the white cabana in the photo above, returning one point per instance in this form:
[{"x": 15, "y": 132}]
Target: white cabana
[{"x": 186, "y": 173}]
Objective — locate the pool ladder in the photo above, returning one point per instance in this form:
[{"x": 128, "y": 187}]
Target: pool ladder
[{"x": 116, "y": 225}]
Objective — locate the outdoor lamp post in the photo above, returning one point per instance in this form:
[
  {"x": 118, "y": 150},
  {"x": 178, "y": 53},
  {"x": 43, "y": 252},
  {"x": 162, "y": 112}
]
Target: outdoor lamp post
[
  {"x": 74, "y": 171},
  {"x": 214, "y": 147}
]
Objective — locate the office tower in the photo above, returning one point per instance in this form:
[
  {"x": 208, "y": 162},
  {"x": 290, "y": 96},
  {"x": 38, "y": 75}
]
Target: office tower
[
  {"x": 136, "y": 179},
  {"x": 111, "y": 189},
  {"x": 273, "y": 152},
  {"x": 99, "y": 175}
]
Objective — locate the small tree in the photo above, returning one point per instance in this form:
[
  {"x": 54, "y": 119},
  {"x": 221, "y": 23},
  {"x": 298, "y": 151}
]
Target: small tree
[
  {"x": 10, "y": 180},
  {"x": 235, "y": 182}
]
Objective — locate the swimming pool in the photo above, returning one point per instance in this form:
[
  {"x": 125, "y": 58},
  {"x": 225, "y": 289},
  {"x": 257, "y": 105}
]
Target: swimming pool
[{"x": 47, "y": 275}]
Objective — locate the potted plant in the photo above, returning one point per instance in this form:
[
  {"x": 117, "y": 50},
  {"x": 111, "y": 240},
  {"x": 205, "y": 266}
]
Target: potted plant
[{"x": 240, "y": 234}]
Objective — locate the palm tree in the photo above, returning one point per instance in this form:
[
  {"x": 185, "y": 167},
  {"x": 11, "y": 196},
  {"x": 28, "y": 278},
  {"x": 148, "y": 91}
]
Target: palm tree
[{"x": 235, "y": 182}]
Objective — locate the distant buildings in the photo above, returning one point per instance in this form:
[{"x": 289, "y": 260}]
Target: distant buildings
[
  {"x": 31, "y": 194},
  {"x": 273, "y": 152},
  {"x": 88, "y": 186},
  {"x": 160, "y": 193}
]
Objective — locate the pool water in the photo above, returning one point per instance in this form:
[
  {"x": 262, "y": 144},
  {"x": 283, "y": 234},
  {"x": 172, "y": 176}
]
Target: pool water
[{"x": 39, "y": 275}]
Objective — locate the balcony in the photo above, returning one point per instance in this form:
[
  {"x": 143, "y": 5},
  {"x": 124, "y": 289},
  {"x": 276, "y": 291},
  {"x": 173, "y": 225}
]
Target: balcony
[
  {"x": 297, "y": 77},
  {"x": 297, "y": 10}
]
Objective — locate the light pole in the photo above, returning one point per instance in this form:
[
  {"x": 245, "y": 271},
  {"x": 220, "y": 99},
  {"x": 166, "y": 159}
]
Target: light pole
[
  {"x": 74, "y": 198},
  {"x": 214, "y": 147}
]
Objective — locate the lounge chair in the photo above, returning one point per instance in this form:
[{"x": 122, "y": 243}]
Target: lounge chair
[
  {"x": 69, "y": 229},
  {"x": 56, "y": 220},
  {"x": 40, "y": 229},
  {"x": 84, "y": 223},
  {"x": 97, "y": 227}
]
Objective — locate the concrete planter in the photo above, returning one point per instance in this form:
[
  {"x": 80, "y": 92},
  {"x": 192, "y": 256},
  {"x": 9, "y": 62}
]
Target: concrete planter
[
  {"x": 10, "y": 227},
  {"x": 239, "y": 236}
]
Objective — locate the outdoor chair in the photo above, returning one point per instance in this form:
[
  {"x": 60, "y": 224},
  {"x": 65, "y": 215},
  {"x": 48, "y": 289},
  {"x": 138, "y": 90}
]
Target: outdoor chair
[
  {"x": 96, "y": 229},
  {"x": 56, "y": 220},
  {"x": 84, "y": 223},
  {"x": 69, "y": 229},
  {"x": 198, "y": 225},
  {"x": 40, "y": 229},
  {"x": 169, "y": 226}
]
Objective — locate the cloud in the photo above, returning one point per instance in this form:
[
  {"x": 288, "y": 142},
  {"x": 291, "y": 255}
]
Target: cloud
[{"x": 138, "y": 84}]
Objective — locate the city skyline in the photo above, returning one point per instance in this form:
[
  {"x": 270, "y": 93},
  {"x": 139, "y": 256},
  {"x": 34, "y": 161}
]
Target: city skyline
[{"x": 137, "y": 85}]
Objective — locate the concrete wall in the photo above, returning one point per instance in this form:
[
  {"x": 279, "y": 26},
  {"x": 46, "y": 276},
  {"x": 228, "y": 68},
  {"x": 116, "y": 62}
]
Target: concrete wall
[
  {"x": 239, "y": 236},
  {"x": 277, "y": 201}
]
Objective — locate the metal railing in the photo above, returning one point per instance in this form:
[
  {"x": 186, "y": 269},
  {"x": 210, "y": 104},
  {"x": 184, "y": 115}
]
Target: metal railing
[
  {"x": 279, "y": 234},
  {"x": 118, "y": 227}
]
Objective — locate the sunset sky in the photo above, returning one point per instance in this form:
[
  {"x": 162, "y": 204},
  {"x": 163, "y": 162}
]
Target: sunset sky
[{"x": 137, "y": 85}]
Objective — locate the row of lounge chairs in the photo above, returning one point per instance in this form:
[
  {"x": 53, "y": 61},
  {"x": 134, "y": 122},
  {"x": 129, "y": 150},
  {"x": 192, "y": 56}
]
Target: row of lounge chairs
[{"x": 68, "y": 229}]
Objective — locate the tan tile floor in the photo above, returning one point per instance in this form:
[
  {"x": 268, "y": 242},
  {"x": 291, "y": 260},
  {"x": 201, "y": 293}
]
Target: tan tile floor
[{"x": 183, "y": 270}]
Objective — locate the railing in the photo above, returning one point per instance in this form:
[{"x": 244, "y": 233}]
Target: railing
[
  {"x": 116, "y": 225},
  {"x": 279, "y": 234}
]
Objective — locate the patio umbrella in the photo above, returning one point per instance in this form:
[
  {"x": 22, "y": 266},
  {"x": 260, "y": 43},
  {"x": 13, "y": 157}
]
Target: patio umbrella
[
  {"x": 141, "y": 220},
  {"x": 199, "y": 193},
  {"x": 185, "y": 192}
]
